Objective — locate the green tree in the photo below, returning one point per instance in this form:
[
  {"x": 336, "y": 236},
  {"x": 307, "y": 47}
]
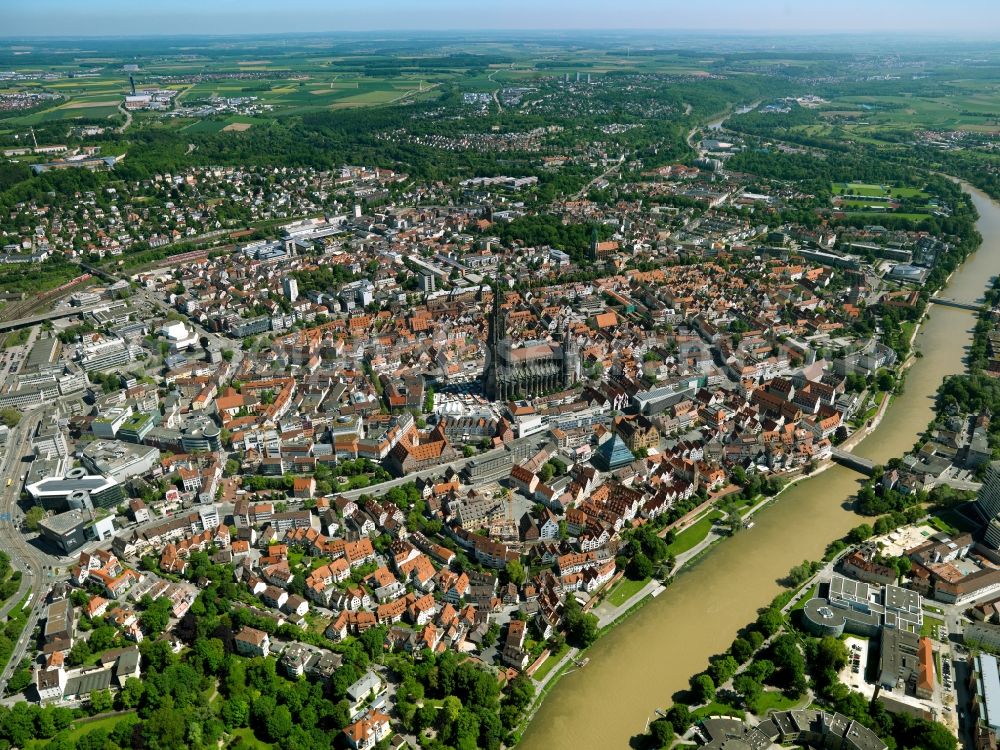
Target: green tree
[
  {"x": 278, "y": 723},
  {"x": 156, "y": 617},
  {"x": 639, "y": 568},
  {"x": 101, "y": 701},
  {"x": 211, "y": 653},
  {"x": 859, "y": 534},
  {"x": 581, "y": 627},
  {"x": 661, "y": 732},
  {"x": 131, "y": 693},
  {"x": 679, "y": 716},
  {"x": 10, "y": 417},
  {"x": 770, "y": 621},
  {"x": 749, "y": 688},
  {"x": 33, "y": 518},
  {"x": 702, "y": 688},
  {"x": 722, "y": 668},
  {"x": 515, "y": 572},
  {"x": 741, "y": 650},
  {"x": 164, "y": 729}
]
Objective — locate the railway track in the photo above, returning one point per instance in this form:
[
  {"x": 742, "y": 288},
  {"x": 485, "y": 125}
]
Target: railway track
[{"x": 32, "y": 303}]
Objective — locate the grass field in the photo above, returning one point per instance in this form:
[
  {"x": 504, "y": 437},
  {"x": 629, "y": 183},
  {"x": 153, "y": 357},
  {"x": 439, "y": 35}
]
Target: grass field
[
  {"x": 773, "y": 700},
  {"x": 930, "y": 626},
  {"x": 82, "y": 726},
  {"x": 624, "y": 590},
  {"x": 941, "y": 525},
  {"x": 801, "y": 603},
  {"x": 694, "y": 534},
  {"x": 860, "y": 188},
  {"x": 884, "y": 192},
  {"x": 716, "y": 709},
  {"x": 550, "y": 663},
  {"x": 249, "y": 741},
  {"x": 954, "y": 520}
]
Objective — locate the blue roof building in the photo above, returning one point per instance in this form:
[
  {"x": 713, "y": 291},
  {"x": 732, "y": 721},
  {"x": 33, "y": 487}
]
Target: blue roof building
[{"x": 612, "y": 454}]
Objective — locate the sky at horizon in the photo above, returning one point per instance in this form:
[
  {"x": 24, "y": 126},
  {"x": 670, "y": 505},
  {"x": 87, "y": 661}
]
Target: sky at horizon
[{"x": 979, "y": 18}]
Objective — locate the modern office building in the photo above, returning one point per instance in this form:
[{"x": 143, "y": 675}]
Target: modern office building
[
  {"x": 201, "y": 434},
  {"x": 72, "y": 529},
  {"x": 804, "y": 728},
  {"x": 988, "y": 504},
  {"x": 108, "y": 424},
  {"x": 119, "y": 460},
  {"x": 76, "y": 491},
  {"x": 138, "y": 426},
  {"x": 104, "y": 355},
  {"x": 856, "y": 607}
]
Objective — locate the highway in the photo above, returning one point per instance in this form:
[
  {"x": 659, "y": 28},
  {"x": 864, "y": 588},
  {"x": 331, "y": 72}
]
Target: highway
[
  {"x": 65, "y": 312},
  {"x": 30, "y": 561}
]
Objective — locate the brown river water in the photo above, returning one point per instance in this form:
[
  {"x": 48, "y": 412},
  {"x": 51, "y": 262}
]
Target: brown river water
[{"x": 635, "y": 668}]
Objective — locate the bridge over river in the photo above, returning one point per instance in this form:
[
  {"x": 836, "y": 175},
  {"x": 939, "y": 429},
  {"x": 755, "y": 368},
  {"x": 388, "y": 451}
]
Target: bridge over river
[{"x": 946, "y": 302}]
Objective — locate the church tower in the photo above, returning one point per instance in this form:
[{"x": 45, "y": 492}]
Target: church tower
[
  {"x": 495, "y": 333},
  {"x": 571, "y": 358}
]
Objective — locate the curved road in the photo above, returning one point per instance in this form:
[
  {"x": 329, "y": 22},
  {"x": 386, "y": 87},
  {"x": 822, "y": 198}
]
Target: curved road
[
  {"x": 128, "y": 118},
  {"x": 23, "y": 556}
]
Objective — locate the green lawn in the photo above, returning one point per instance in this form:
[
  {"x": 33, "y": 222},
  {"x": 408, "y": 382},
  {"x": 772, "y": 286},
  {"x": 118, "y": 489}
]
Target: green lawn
[
  {"x": 83, "y": 726},
  {"x": 624, "y": 590},
  {"x": 17, "y": 338},
  {"x": 694, "y": 534},
  {"x": 801, "y": 603},
  {"x": 550, "y": 663},
  {"x": 773, "y": 700},
  {"x": 930, "y": 626},
  {"x": 250, "y": 742},
  {"x": 716, "y": 709},
  {"x": 955, "y": 520},
  {"x": 941, "y": 525},
  {"x": 860, "y": 188},
  {"x": 876, "y": 214}
]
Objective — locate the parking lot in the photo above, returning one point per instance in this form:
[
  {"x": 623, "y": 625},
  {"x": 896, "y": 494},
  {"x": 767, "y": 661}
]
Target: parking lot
[{"x": 853, "y": 674}]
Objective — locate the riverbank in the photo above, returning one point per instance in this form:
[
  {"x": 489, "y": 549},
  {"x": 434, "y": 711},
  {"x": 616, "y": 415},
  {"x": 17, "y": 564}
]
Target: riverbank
[{"x": 667, "y": 639}]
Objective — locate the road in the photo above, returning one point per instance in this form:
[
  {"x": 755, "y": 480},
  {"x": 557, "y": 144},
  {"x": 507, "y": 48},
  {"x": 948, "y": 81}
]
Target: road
[
  {"x": 586, "y": 188},
  {"x": 65, "y": 312},
  {"x": 496, "y": 91},
  {"x": 128, "y": 119},
  {"x": 381, "y": 488},
  {"x": 30, "y": 561}
]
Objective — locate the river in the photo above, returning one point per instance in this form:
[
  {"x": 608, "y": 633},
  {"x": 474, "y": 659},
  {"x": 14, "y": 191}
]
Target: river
[{"x": 636, "y": 667}]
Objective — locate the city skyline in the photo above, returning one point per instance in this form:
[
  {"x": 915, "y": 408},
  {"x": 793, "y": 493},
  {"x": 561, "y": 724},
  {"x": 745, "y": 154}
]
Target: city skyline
[{"x": 233, "y": 17}]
